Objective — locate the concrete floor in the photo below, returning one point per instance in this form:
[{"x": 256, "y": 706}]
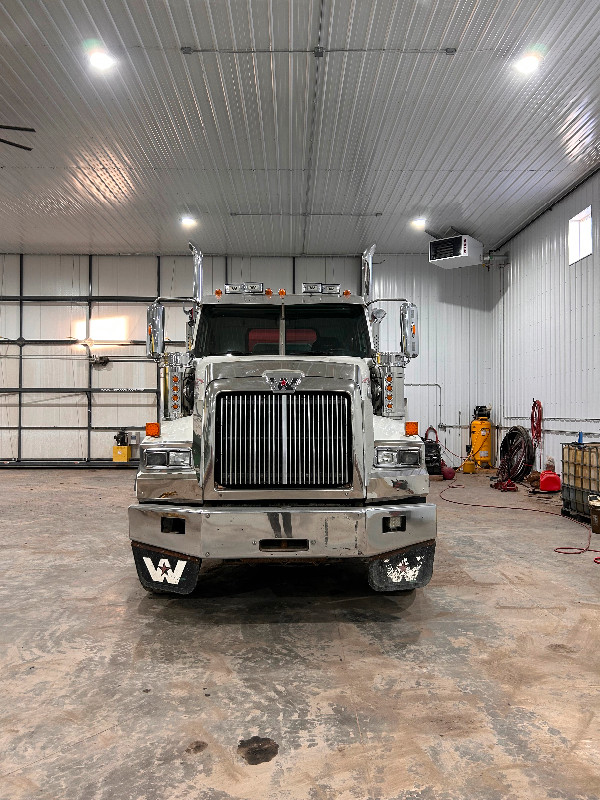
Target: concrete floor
[{"x": 484, "y": 685}]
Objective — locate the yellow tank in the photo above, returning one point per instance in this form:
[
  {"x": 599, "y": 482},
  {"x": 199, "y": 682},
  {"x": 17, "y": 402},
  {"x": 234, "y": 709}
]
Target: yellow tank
[{"x": 481, "y": 441}]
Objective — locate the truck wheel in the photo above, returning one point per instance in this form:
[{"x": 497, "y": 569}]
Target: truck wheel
[
  {"x": 164, "y": 572},
  {"x": 402, "y": 572}
]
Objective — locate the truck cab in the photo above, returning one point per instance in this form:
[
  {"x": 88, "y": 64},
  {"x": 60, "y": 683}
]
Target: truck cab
[{"x": 283, "y": 439}]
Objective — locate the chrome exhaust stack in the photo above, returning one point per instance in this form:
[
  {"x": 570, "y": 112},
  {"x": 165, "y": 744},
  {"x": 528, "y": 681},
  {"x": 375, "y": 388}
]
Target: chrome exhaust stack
[
  {"x": 198, "y": 258},
  {"x": 367, "y": 273}
]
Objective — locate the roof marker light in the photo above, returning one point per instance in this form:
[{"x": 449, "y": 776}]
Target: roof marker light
[
  {"x": 312, "y": 288},
  {"x": 282, "y": 293},
  {"x": 347, "y": 292},
  {"x": 419, "y": 223},
  {"x": 188, "y": 222}
]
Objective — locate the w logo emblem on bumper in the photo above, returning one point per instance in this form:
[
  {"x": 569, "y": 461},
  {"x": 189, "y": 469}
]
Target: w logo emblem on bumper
[{"x": 164, "y": 572}]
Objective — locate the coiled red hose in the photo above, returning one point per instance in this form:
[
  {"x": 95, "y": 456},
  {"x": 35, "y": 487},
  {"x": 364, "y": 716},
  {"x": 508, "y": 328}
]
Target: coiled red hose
[{"x": 536, "y": 422}]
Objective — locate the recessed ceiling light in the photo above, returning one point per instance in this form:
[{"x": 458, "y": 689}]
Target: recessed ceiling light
[
  {"x": 528, "y": 63},
  {"x": 101, "y": 60},
  {"x": 419, "y": 223},
  {"x": 189, "y": 222}
]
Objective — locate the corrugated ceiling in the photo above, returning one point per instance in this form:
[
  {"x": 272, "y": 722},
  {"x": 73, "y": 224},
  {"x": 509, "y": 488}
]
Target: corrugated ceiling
[{"x": 278, "y": 151}]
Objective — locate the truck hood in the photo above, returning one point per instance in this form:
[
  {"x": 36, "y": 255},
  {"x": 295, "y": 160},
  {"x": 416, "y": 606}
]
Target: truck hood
[{"x": 231, "y": 367}]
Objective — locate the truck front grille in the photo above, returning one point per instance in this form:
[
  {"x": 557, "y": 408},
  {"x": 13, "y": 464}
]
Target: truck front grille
[{"x": 268, "y": 440}]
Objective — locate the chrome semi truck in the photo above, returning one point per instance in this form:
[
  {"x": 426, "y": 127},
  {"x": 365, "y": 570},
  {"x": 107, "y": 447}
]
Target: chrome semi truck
[{"x": 283, "y": 439}]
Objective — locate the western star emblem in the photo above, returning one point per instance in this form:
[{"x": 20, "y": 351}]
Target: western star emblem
[
  {"x": 164, "y": 571},
  {"x": 283, "y": 382}
]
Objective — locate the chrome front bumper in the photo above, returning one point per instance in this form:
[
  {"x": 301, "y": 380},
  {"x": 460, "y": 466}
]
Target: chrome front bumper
[{"x": 238, "y": 532}]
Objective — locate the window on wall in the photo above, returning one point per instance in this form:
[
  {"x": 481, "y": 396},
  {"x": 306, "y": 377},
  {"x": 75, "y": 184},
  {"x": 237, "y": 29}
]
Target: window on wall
[{"x": 580, "y": 235}]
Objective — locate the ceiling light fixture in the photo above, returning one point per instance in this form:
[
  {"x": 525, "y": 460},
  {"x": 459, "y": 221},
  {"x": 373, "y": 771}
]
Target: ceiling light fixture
[
  {"x": 188, "y": 222},
  {"x": 528, "y": 64},
  {"x": 419, "y": 223},
  {"x": 101, "y": 60}
]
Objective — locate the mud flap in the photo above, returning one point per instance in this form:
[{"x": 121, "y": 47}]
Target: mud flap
[
  {"x": 164, "y": 571},
  {"x": 410, "y": 569}
]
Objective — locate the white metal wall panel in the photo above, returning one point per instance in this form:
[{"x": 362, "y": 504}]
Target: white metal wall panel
[
  {"x": 9, "y": 365},
  {"x": 9, "y": 320},
  {"x": 9, "y": 403},
  {"x": 122, "y": 410},
  {"x": 545, "y": 313},
  {"x": 140, "y": 374},
  {"x": 454, "y": 363},
  {"x": 9, "y": 416},
  {"x": 54, "y": 367},
  {"x": 125, "y": 275},
  {"x": 9, "y": 274},
  {"x": 275, "y": 273},
  {"x": 56, "y": 275},
  {"x": 121, "y": 319},
  {"x": 54, "y": 410},
  {"x": 49, "y": 321},
  {"x": 177, "y": 275},
  {"x": 49, "y": 445},
  {"x": 329, "y": 269},
  {"x": 175, "y": 323}
]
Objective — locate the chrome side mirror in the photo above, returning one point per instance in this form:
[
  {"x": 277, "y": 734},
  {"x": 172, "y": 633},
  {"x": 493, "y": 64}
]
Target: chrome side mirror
[
  {"x": 155, "y": 331},
  {"x": 377, "y": 316}
]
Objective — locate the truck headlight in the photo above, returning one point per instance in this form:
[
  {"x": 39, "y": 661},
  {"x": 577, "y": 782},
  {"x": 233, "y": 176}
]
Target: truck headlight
[
  {"x": 397, "y": 457},
  {"x": 409, "y": 458},
  {"x": 180, "y": 458},
  {"x": 156, "y": 458},
  {"x": 168, "y": 458},
  {"x": 386, "y": 457}
]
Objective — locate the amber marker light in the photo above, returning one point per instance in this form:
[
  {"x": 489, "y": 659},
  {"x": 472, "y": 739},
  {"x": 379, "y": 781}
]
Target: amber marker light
[
  {"x": 218, "y": 292},
  {"x": 269, "y": 292},
  {"x": 347, "y": 292},
  {"x": 282, "y": 293},
  {"x": 153, "y": 429},
  {"x": 412, "y": 428}
]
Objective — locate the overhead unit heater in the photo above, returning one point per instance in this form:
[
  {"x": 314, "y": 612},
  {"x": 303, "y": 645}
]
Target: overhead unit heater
[{"x": 456, "y": 251}]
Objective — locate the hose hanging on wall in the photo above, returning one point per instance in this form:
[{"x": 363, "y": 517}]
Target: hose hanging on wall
[{"x": 536, "y": 423}]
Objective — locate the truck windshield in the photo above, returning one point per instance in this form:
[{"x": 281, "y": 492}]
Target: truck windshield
[{"x": 326, "y": 330}]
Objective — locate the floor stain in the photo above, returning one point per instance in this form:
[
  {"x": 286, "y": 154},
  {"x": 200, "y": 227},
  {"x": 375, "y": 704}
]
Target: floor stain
[
  {"x": 257, "y": 750},
  {"x": 557, "y": 647},
  {"x": 197, "y": 747}
]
